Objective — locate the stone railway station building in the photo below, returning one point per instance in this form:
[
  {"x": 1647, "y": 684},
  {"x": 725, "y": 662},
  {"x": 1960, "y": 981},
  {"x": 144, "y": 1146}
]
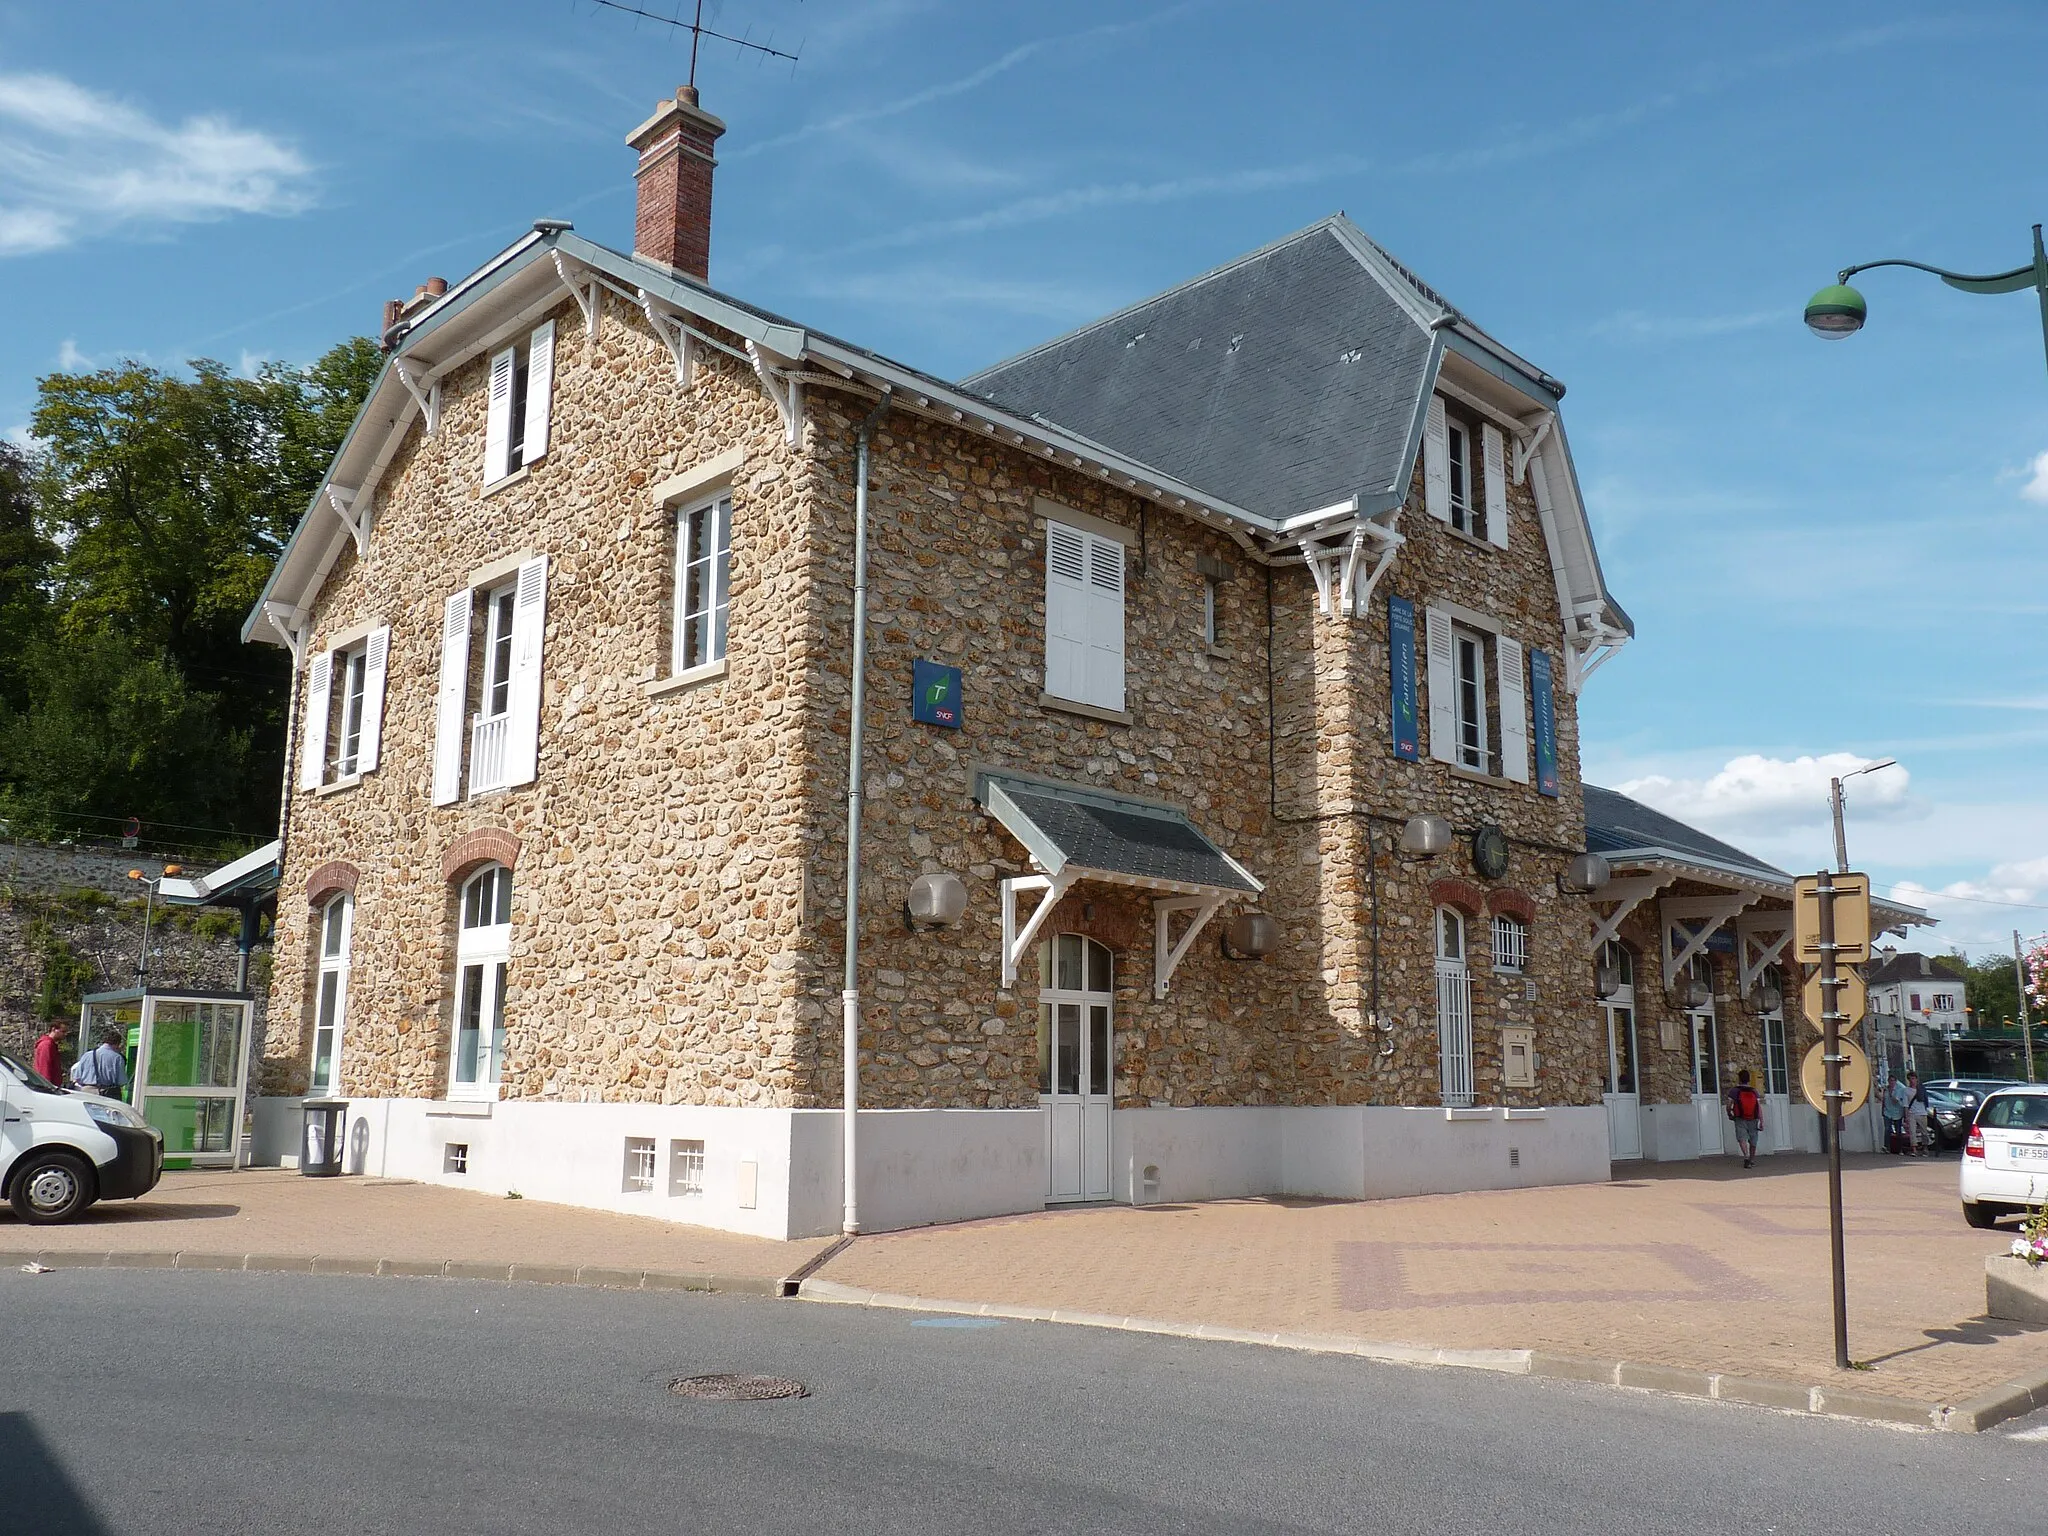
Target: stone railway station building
[{"x": 1223, "y": 655}]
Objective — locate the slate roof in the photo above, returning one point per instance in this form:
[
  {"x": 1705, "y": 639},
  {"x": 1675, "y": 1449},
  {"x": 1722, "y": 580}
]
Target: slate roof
[
  {"x": 1910, "y": 965},
  {"x": 1110, "y": 834},
  {"x": 1615, "y": 823},
  {"x": 1285, "y": 381}
]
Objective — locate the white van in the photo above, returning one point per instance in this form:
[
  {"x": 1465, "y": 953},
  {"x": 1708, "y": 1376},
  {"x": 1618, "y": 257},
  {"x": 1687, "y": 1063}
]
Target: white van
[{"x": 60, "y": 1149}]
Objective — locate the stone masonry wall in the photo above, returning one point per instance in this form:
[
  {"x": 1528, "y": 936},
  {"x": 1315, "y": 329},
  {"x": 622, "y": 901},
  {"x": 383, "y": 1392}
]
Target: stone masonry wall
[{"x": 658, "y": 881}]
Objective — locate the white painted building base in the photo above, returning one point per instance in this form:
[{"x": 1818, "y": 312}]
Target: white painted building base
[{"x": 775, "y": 1172}]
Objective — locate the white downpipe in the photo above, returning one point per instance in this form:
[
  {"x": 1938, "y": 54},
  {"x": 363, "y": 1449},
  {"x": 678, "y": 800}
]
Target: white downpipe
[{"x": 849, "y": 997}]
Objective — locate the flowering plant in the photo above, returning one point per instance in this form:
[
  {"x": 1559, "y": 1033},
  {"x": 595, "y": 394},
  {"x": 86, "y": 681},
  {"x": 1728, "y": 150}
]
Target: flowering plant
[{"x": 2032, "y": 1243}]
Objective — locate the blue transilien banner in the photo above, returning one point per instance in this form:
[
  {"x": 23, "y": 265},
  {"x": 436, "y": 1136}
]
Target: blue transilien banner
[
  {"x": 1401, "y": 657},
  {"x": 1543, "y": 691}
]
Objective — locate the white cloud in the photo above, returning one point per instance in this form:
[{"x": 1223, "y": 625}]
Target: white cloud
[
  {"x": 1981, "y": 915},
  {"x": 71, "y": 360},
  {"x": 1753, "y": 793},
  {"x": 2036, "y": 488},
  {"x": 75, "y": 163}
]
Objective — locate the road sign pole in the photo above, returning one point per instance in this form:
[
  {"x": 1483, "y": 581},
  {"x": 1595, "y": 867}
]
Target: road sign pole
[{"x": 1831, "y": 1039}]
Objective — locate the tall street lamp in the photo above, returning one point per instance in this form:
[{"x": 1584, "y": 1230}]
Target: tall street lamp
[
  {"x": 1838, "y": 311},
  {"x": 1835, "y": 804}
]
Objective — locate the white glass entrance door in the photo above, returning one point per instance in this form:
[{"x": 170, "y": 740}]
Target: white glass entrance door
[
  {"x": 1076, "y": 1038},
  {"x": 1706, "y": 1080},
  {"x": 1623, "y": 1094},
  {"x": 1776, "y": 1135}
]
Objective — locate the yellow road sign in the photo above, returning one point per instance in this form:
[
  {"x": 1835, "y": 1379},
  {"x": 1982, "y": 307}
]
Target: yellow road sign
[
  {"x": 1852, "y": 917},
  {"x": 1853, "y": 997},
  {"x": 1813, "y": 1077}
]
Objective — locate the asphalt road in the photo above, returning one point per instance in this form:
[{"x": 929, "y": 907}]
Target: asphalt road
[{"x": 169, "y": 1402}]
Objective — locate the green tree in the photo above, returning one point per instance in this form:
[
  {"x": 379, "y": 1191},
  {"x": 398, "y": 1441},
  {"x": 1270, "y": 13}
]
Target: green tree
[
  {"x": 25, "y": 561},
  {"x": 1991, "y": 992},
  {"x": 163, "y": 500}
]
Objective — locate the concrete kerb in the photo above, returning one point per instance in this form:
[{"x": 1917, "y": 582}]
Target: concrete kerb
[
  {"x": 449, "y": 1269},
  {"x": 1969, "y": 1417}
]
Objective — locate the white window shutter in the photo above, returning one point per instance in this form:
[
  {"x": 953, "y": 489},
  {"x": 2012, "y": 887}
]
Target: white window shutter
[
  {"x": 1495, "y": 450},
  {"x": 1443, "y": 682},
  {"x": 1436, "y": 463},
  {"x": 540, "y": 380},
  {"x": 529, "y": 622},
  {"x": 313, "y": 749},
  {"x": 498, "y": 418},
  {"x": 376, "y": 658},
  {"x": 1105, "y": 623},
  {"x": 1066, "y": 612},
  {"x": 1514, "y": 710},
  {"x": 454, "y": 698}
]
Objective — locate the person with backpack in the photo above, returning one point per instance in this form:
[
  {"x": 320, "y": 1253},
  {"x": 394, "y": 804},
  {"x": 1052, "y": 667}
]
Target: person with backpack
[{"x": 1746, "y": 1109}]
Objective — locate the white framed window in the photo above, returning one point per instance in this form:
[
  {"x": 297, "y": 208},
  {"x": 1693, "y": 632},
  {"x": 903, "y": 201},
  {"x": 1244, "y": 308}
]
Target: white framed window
[
  {"x": 1453, "y": 1010},
  {"x": 1706, "y": 1033},
  {"x": 686, "y": 1168},
  {"x": 639, "y": 1171},
  {"x": 483, "y": 949},
  {"x": 1468, "y": 515},
  {"x": 520, "y": 401},
  {"x": 344, "y": 710},
  {"x": 1084, "y": 617},
  {"x": 1468, "y": 660},
  {"x": 1620, "y": 1008},
  {"x": 1777, "y": 1061},
  {"x": 1453, "y": 475},
  {"x": 1209, "y": 611},
  {"x": 1510, "y": 943},
  {"x": 499, "y": 739},
  {"x": 1471, "y": 669},
  {"x": 703, "y": 595},
  {"x": 330, "y": 1005}
]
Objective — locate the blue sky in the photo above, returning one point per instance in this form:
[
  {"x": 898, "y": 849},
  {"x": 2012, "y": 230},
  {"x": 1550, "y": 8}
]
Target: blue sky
[{"x": 1828, "y": 550}]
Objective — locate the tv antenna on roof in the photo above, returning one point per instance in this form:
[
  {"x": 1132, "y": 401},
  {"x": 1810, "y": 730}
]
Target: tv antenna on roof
[{"x": 698, "y": 32}]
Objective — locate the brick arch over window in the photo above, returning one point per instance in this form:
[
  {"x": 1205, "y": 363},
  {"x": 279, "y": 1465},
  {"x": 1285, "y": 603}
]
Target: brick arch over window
[
  {"x": 486, "y": 845},
  {"x": 329, "y": 880},
  {"x": 1509, "y": 902},
  {"x": 1460, "y": 895}
]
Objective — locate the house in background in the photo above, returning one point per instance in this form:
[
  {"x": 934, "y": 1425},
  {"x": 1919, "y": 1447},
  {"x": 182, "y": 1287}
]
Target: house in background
[
  {"x": 1217, "y": 709},
  {"x": 1917, "y": 1004}
]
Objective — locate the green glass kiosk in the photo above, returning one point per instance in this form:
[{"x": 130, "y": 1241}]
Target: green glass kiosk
[{"x": 188, "y": 1065}]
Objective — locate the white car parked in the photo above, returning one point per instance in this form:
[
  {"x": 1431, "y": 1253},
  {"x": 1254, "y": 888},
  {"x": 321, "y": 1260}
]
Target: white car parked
[
  {"x": 61, "y": 1149},
  {"x": 2005, "y": 1158}
]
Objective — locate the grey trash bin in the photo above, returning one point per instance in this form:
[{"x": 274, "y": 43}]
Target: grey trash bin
[{"x": 320, "y": 1146}]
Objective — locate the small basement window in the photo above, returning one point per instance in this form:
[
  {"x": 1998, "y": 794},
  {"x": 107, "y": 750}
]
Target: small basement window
[
  {"x": 686, "y": 1168},
  {"x": 455, "y": 1157},
  {"x": 639, "y": 1163}
]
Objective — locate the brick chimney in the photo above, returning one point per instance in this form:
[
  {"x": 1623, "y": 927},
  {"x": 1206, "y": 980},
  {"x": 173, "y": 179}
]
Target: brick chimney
[
  {"x": 396, "y": 310},
  {"x": 673, "y": 225}
]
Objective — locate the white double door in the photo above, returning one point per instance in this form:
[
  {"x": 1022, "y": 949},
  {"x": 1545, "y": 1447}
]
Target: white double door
[
  {"x": 1716, "y": 1135},
  {"x": 1075, "y": 1045},
  {"x": 1623, "y": 1098}
]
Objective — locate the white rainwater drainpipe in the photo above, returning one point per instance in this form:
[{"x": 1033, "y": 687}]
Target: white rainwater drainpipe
[{"x": 849, "y": 996}]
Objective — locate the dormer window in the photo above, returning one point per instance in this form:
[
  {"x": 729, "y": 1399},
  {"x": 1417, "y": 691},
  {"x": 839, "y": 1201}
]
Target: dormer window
[
  {"x": 1464, "y": 474},
  {"x": 1468, "y": 515}
]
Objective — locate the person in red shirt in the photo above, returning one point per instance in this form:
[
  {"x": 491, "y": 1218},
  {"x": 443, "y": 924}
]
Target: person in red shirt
[{"x": 49, "y": 1062}]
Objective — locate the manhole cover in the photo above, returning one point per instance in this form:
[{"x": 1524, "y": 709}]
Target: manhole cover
[{"x": 729, "y": 1388}]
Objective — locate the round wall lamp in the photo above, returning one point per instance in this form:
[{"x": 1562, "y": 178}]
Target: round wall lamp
[
  {"x": 936, "y": 901},
  {"x": 1586, "y": 873},
  {"x": 1424, "y": 837},
  {"x": 1606, "y": 981},
  {"x": 1691, "y": 994},
  {"x": 1769, "y": 999},
  {"x": 1251, "y": 936}
]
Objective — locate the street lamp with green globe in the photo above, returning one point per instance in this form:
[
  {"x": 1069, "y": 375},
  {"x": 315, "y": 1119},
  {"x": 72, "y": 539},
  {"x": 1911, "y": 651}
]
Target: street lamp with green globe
[{"x": 1838, "y": 311}]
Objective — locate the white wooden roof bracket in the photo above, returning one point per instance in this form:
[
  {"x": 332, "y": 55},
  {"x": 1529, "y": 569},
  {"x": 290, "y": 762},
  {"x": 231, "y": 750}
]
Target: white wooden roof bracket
[
  {"x": 583, "y": 287},
  {"x": 787, "y": 393},
  {"x": 1754, "y": 931},
  {"x": 674, "y": 335},
  {"x": 1710, "y": 912},
  {"x": 1529, "y": 439},
  {"x": 1014, "y": 941},
  {"x": 359, "y": 527},
  {"x": 1340, "y": 592},
  {"x": 1627, "y": 893},
  {"x": 1166, "y": 953},
  {"x": 286, "y": 621},
  {"x": 1589, "y": 645},
  {"x": 428, "y": 399}
]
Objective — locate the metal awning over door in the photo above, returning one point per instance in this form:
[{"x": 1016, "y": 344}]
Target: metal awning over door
[{"x": 1074, "y": 833}]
